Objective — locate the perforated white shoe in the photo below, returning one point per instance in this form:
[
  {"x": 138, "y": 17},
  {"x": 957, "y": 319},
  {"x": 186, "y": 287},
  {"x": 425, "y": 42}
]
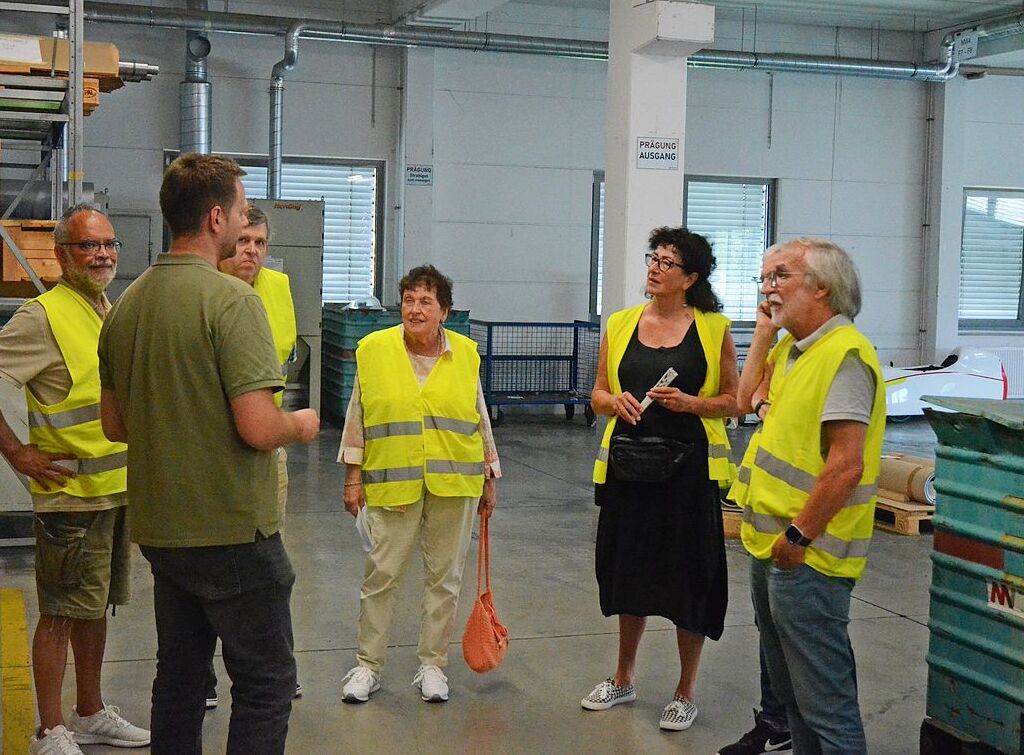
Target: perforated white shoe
[
  {"x": 360, "y": 683},
  {"x": 433, "y": 684},
  {"x": 106, "y": 727},
  {"x": 55, "y": 741}
]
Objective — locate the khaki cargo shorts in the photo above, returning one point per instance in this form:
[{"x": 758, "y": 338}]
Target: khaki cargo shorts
[{"x": 82, "y": 562}]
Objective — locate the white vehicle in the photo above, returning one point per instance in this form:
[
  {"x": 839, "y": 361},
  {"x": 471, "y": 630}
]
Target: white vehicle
[{"x": 973, "y": 374}]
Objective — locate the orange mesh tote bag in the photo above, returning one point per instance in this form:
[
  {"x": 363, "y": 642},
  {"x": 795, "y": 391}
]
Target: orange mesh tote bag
[{"x": 486, "y": 639}]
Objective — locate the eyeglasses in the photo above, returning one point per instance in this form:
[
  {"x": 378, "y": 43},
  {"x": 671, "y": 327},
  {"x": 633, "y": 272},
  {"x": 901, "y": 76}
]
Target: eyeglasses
[
  {"x": 91, "y": 247},
  {"x": 774, "y": 277},
  {"x": 664, "y": 263}
]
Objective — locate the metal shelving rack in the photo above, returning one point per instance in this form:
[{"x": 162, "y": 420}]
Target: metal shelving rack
[{"x": 59, "y": 134}]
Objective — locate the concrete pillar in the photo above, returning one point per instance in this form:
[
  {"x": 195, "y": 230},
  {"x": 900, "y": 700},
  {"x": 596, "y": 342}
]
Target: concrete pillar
[
  {"x": 416, "y": 151},
  {"x": 648, "y": 45},
  {"x": 941, "y": 287}
]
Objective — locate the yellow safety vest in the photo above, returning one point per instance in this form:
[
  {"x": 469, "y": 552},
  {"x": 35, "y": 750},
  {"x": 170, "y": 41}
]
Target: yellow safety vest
[
  {"x": 72, "y": 426},
  {"x": 787, "y": 461},
  {"x": 276, "y": 295},
  {"x": 741, "y": 485},
  {"x": 711, "y": 328},
  {"x": 413, "y": 435}
]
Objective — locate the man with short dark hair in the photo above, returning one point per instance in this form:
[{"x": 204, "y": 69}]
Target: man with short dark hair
[
  {"x": 808, "y": 484},
  {"x": 78, "y": 483},
  {"x": 188, "y": 372}
]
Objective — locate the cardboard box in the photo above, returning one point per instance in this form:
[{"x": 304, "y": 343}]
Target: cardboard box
[
  {"x": 35, "y": 241},
  {"x": 19, "y": 55}
]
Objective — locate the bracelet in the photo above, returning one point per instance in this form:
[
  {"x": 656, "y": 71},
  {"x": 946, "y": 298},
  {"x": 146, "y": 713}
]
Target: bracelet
[{"x": 757, "y": 407}]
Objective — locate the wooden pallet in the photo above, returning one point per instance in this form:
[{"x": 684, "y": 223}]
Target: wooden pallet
[
  {"x": 903, "y": 517},
  {"x": 731, "y": 521}
]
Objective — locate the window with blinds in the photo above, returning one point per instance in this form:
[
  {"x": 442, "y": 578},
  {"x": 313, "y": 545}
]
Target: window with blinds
[
  {"x": 992, "y": 259},
  {"x": 351, "y": 222},
  {"x": 735, "y": 215}
]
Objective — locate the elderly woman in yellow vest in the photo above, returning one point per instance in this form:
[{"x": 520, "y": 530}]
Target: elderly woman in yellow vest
[
  {"x": 419, "y": 454},
  {"x": 663, "y": 458}
]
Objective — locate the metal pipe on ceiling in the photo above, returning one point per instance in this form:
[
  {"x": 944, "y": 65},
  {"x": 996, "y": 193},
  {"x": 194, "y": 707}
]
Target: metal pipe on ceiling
[
  {"x": 342, "y": 31},
  {"x": 281, "y": 67}
]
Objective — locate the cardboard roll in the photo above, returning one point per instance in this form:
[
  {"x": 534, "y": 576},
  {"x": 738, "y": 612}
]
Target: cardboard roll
[{"x": 909, "y": 476}]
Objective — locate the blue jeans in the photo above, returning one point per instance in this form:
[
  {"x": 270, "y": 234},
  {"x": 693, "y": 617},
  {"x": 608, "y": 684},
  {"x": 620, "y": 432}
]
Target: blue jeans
[
  {"x": 802, "y": 616},
  {"x": 773, "y": 712},
  {"x": 241, "y": 594}
]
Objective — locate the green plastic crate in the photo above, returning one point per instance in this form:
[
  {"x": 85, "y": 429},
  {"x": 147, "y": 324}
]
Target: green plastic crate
[{"x": 342, "y": 330}]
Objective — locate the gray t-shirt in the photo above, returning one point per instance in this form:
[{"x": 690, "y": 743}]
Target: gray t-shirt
[{"x": 852, "y": 393}]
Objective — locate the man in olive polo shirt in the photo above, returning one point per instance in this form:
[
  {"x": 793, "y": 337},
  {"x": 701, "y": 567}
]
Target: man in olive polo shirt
[{"x": 188, "y": 373}]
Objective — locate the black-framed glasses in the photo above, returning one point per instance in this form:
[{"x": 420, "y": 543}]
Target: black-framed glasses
[
  {"x": 89, "y": 246},
  {"x": 664, "y": 263},
  {"x": 774, "y": 277}
]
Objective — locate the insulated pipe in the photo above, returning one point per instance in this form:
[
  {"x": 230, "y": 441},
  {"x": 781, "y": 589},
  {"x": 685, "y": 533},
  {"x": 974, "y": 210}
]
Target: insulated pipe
[
  {"x": 194, "y": 95},
  {"x": 240, "y": 23},
  {"x": 281, "y": 67},
  {"x": 789, "y": 63}
]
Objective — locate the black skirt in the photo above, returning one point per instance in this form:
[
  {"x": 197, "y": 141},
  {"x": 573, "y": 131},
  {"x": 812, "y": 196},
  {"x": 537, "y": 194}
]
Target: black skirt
[{"x": 660, "y": 548}]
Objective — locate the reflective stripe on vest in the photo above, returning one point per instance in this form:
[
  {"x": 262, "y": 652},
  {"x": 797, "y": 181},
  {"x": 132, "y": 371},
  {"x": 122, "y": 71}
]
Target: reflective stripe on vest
[
  {"x": 835, "y": 547},
  {"x": 276, "y": 295},
  {"x": 414, "y": 435},
  {"x": 711, "y": 327},
  {"x": 72, "y": 427},
  {"x": 804, "y": 481},
  {"x": 67, "y": 418},
  {"x": 784, "y": 461}
]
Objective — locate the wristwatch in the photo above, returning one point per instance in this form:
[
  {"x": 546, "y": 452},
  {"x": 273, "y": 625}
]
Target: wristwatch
[
  {"x": 796, "y": 537},
  {"x": 758, "y": 405}
]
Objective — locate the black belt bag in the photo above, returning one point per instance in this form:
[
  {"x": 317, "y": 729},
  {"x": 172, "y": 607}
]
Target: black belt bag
[{"x": 646, "y": 458}]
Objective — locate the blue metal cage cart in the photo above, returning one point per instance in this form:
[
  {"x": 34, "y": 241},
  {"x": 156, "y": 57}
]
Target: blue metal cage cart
[{"x": 537, "y": 363}]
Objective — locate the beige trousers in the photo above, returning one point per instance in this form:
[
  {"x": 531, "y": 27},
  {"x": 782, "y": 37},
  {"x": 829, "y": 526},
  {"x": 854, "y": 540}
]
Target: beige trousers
[{"x": 444, "y": 525}]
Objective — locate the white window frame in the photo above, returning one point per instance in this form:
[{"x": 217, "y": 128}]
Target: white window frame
[
  {"x": 597, "y": 230},
  {"x": 256, "y": 160},
  {"x": 998, "y": 258},
  {"x": 768, "y": 236}
]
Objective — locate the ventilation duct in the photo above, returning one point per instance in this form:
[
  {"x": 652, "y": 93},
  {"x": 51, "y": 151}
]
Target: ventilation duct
[{"x": 194, "y": 96}]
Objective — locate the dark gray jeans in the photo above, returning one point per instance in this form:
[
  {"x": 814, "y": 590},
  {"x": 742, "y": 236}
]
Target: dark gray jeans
[{"x": 239, "y": 593}]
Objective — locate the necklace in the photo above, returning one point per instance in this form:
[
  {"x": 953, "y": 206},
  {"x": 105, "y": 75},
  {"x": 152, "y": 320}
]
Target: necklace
[{"x": 437, "y": 350}]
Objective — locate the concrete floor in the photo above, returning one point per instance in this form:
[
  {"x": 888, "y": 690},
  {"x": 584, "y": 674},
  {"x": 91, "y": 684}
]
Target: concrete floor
[{"x": 542, "y": 566}]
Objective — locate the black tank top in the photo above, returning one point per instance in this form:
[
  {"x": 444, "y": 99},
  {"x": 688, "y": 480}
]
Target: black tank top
[{"x": 642, "y": 366}]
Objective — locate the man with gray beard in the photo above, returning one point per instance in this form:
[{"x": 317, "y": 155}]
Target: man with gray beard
[{"x": 78, "y": 483}]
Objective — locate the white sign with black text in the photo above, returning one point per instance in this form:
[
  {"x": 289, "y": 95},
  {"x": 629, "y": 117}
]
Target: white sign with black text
[
  {"x": 657, "y": 153},
  {"x": 419, "y": 175}
]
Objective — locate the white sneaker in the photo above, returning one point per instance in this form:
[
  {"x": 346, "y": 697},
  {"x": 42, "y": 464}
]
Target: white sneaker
[
  {"x": 106, "y": 727},
  {"x": 360, "y": 683},
  {"x": 55, "y": 741},
  {"x": 433, "y": 684},
  {"x": 678, "y": 715}
]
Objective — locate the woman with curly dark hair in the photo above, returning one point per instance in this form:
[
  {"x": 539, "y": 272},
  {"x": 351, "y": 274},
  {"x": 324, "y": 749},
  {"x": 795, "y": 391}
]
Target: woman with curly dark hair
[{"x": 663, "y": 458}]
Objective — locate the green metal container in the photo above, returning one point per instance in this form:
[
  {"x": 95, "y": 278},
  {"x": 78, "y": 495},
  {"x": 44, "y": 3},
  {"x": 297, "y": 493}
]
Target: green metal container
[
  {"x": 976, "y": 619},
  {"x": 342, "y": 329}
]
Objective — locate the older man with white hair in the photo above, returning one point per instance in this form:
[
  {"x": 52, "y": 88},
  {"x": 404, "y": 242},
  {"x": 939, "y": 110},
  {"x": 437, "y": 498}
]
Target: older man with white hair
[{"x": 808, "y": 483}]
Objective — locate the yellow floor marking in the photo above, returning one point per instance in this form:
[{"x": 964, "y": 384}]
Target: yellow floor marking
[{"x": 15, "y": 673}]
